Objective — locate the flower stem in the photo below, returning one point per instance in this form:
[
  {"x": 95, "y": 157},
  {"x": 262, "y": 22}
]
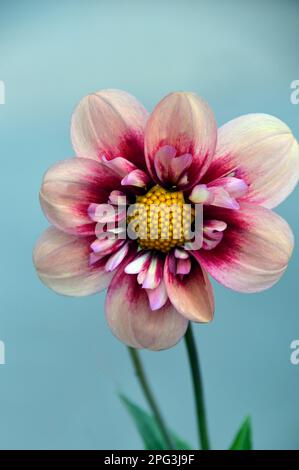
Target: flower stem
[
  {"x": 139, "y": 370},
  {"x": 198, "y": 389}
]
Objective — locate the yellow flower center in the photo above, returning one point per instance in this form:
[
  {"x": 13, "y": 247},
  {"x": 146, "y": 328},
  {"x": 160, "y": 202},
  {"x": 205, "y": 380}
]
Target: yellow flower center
[{"x": 161, "y": 219}]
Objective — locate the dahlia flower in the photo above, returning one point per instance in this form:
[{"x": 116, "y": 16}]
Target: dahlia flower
[{"x": 174, "y": 156}]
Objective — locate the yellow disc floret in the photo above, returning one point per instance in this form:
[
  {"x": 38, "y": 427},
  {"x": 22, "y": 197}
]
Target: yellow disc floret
[{"x": 161, "y": 219}]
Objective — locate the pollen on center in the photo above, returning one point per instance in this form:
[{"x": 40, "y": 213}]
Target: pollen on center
[{"x": 161, "y": 219}]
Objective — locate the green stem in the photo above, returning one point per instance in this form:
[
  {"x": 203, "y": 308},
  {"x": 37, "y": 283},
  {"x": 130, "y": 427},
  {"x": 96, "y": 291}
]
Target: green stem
[
  {"x": 198, "y": 389},
  {"x": 139, "y": 370}
]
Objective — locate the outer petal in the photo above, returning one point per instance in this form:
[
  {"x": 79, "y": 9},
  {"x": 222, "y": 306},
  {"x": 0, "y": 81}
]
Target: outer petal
[
  {"x": 69, "y": 187},
  {"x": 255, "y": 249},
  {"x": 191, "y": 295},
  {"x": 62, "y": 263},
  {"x": 111, "y": 123},
  {"x": 133, "y": 322},
  {"x": 262, "y": 151},
  {"x": 185, "y": 122}
]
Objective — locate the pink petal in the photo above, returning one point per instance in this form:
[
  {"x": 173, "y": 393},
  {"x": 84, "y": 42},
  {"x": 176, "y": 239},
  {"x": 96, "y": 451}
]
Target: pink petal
[
  {"x": 183, "y": 266},
  {"x": 95, "y": 257},
  {"x": 170, "y": 167},
  {"x": 136, "y": 178},
  {"x": 133, "y": 322},
  {"x": 119, "y": 165},
  {"x": 142, "y": 274},
  {"x": 162, "y": 159},
  {"x": 115, "y": 259},
  {"x": 138, "y": 264},
  {"x": 211, "y": 240},
  {"x": 106, "y": 213},
  {"x": 214, "y": 225},
  {"x": 154, "y": 273},
  {"x": 209, "y": 244},
  {"x": 213, "y": 233},
  {"x": 68, "y": 189},
  {"x": 106, "y": 246},
  {"x": 117, "y": 198},
  {"x": 254, "y": 252},
  {"x": 191, "y": 295},
  {"x": 235, "y": 187},
  {"x": 185, "y": 122},
  {"x": 180, "y": 253},
  {"x": 212, "y": 195},
  {"x": 261, "y": 150},
  {"x": 111, "y": 123},
  {"x": 62, "y": 263},
  {"x": 221, "y": 198},
  {"x": 179, "y": 165},
  {"x": 157, "y": 297}
]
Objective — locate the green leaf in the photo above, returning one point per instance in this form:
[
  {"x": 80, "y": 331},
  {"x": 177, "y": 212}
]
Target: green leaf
[
  {"x": 243, "y": 439},
  {"x": 149, "y": 430}
]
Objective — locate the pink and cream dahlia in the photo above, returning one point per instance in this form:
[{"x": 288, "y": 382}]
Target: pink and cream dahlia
[{"x": 174, "y": 156}]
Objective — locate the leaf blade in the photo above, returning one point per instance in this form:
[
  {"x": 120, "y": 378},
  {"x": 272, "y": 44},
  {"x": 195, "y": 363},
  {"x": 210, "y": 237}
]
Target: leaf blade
[
  {"x": 243, "y": 438},
  {"x": 149, "y": 430}
]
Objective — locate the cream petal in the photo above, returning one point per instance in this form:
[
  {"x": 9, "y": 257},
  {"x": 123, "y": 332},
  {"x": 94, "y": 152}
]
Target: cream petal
[
  {"x": 62, "y": 263},
  {"x": 261, "y": 150},
  {"x": 133, "y": 322},
  {"x": 185, "y": 122},
  {"x": 200, "y": 194},
  {"x": 69, "y": 188},
  {"x": 110, "y": 123},
  {"x": 255, "y": 249}
]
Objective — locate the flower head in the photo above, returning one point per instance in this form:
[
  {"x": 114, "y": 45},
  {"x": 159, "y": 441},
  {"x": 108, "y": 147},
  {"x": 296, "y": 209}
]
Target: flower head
[{"x": 147, "y": 174}]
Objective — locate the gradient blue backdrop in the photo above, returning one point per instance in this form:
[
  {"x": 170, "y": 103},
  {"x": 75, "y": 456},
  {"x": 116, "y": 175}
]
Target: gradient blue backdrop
[{"x": 58, "y": 388}]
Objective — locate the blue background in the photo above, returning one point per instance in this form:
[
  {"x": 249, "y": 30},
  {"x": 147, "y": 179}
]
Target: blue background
[{"x": 58, "y": 388}]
